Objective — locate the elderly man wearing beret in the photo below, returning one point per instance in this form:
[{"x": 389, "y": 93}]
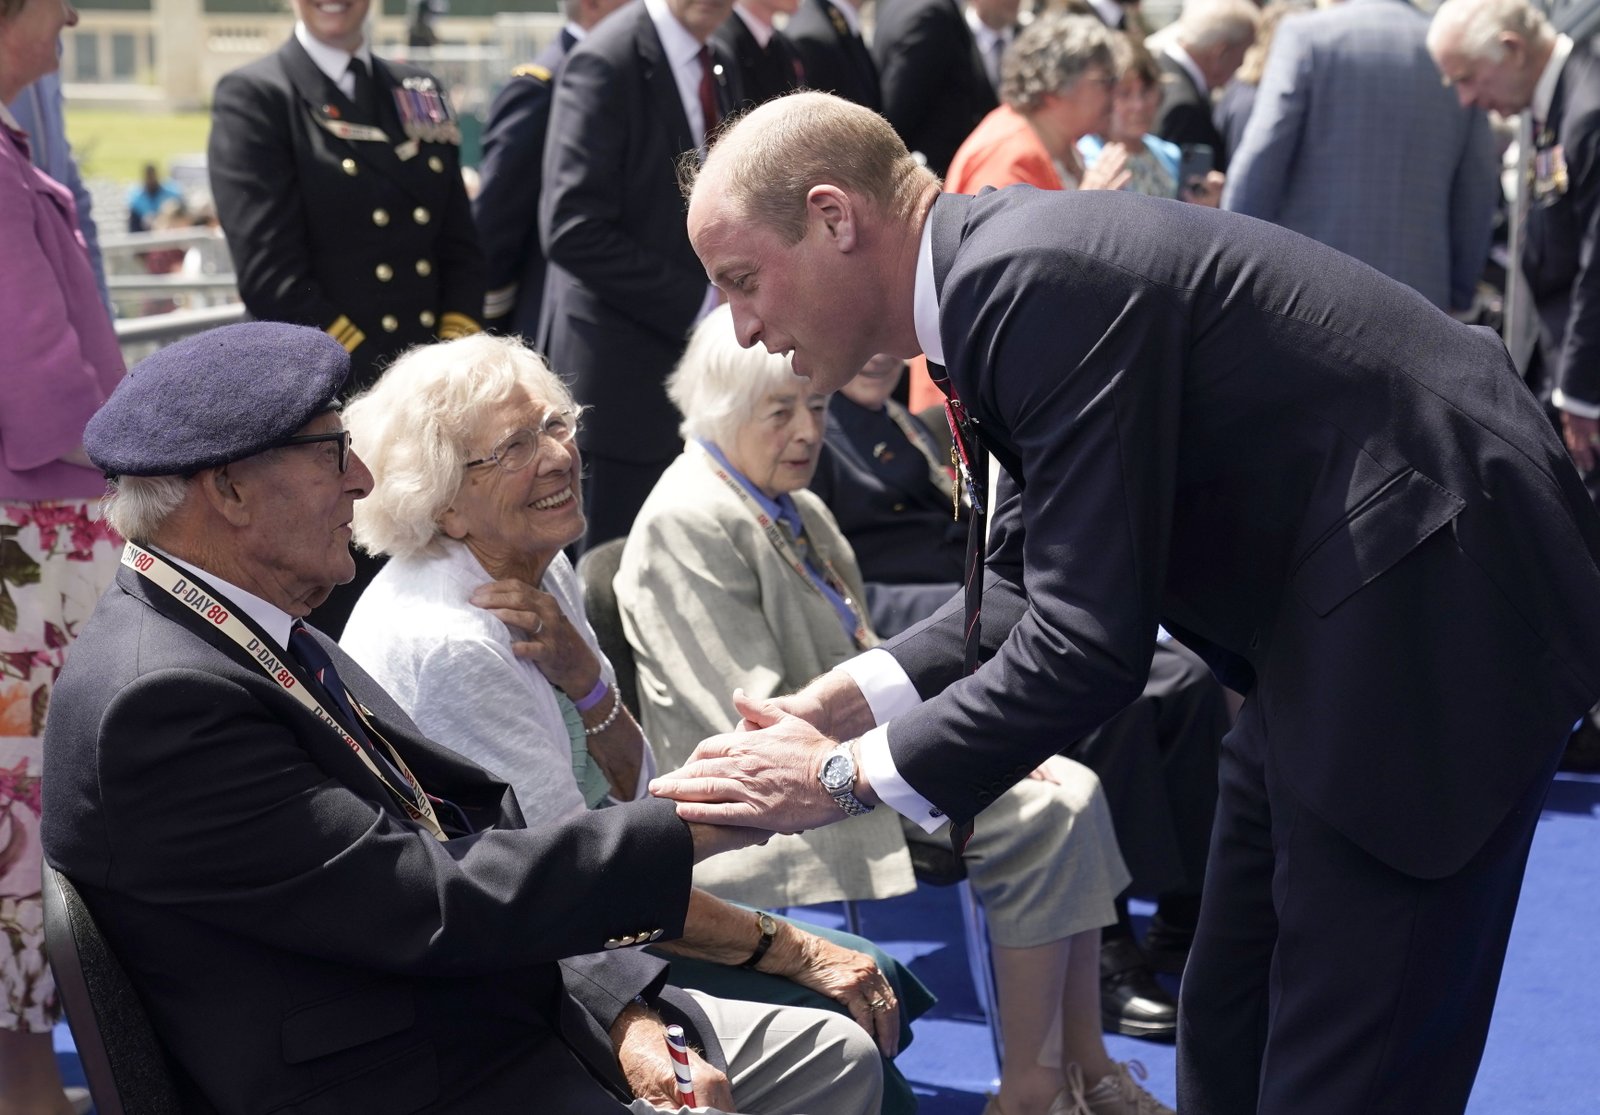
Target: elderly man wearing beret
[{"x": 323, "y": 910}]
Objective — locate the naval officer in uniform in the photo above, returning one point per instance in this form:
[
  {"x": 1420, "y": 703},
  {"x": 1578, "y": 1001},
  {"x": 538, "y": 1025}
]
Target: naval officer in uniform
[{"x": 337, "y": 179}]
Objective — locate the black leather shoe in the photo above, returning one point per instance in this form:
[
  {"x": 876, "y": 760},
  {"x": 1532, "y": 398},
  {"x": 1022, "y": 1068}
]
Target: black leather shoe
[
  {"x": 1166, "y": 947},
  {"x": 1131, "y": 1001}
]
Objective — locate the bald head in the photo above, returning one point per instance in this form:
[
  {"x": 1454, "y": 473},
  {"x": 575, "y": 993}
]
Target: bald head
[
  {"x": 808, "y": 216},
  {"x": 765, "y": 164}
]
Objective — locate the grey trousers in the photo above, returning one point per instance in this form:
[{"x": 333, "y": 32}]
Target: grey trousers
[{"x": 790, "y": 1061}]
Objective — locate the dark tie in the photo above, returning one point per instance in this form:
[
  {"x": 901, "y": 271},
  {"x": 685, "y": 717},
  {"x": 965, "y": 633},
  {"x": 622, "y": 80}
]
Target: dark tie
[
  {"x": 708, "y": 93},
  {"x": 304, "y": 646},
  {"x": 363, "y": 96}
]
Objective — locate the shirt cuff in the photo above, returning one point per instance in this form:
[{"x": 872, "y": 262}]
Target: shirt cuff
[
  {"x": 883, "y": 682},
  {"x": 1567, "y": 403},
  {"x": 878, "y": 765}
]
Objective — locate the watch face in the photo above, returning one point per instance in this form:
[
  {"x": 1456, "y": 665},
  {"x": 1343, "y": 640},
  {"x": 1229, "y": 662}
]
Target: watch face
[{"x": 838, "y": 772}]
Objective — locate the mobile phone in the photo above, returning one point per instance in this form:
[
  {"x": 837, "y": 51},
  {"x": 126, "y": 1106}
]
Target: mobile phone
[{"x": 1195, "y": 161}]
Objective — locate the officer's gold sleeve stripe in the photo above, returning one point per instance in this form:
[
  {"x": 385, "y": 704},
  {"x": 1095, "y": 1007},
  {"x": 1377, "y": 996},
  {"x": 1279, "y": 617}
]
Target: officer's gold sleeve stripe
[
  {"x": 345, "y": 332},
  {"x": 453, "y": 325}
]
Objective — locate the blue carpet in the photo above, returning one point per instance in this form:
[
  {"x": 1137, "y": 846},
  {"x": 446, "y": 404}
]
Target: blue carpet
[{"x": 1546, "y": 1024}]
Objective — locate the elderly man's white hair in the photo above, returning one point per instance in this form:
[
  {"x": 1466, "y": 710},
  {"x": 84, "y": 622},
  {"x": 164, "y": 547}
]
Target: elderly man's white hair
[
  {"x": 1471, "y": 29},
  {"x": 414, "y": 431},
  {"x": 136, "y": 506},
  {"x": 1206, "y": 23},
  {"x": 718, "y": 383}
]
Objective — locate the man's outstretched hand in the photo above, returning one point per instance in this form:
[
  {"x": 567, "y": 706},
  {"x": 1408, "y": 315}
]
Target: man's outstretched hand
[{"x": 764, "y": 775}]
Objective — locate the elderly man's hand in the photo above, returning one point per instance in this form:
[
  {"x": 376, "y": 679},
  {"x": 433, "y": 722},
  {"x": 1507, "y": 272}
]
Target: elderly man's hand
[
  {"x": 640, "y": 1039},
  {"x": 764, "y": 776}
]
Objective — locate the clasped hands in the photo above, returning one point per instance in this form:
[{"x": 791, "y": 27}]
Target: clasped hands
[{"x": 764, "y": 773}]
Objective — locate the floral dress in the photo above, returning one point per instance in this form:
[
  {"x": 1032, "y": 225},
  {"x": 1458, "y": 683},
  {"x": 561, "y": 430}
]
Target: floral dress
[{"x": 56, "y": 557}]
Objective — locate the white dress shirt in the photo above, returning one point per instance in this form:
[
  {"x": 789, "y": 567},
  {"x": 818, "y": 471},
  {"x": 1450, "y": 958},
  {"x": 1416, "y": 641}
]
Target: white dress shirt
[{"x": 333, "y": 61}]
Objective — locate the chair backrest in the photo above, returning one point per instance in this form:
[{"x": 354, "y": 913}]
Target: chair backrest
[
  {"x": 122, "y": 1058},
  {"x": 597, "y": 568}
]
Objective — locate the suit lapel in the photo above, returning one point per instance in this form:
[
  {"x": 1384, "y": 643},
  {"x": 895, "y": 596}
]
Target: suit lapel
[
  {"x": 322, "y": 742},
  {"x": 663, "y": 86}
]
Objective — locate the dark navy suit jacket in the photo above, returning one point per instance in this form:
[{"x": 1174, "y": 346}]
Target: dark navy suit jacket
[
  {"x": 935, "y": 89},
  {"x": 1347, "y": 502},
  {"x": 624, "y": 284},
  {"x": 299, "y": 944},
  {"x": 836, "y": 59}
]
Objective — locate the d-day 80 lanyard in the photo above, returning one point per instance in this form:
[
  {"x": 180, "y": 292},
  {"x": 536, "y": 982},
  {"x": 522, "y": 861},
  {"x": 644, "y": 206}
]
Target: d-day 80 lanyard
[{"x": 159, "y": 573}]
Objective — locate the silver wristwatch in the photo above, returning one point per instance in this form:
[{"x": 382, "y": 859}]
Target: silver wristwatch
[{"x": 838, "y": 777}]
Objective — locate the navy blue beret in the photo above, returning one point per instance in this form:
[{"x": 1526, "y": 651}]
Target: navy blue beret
[{"x": 216, "y": 397}]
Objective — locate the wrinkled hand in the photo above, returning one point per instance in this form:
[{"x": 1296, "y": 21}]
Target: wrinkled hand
[
  {"x": 765, "y": 776},
  {"x": 1110, "y": 170},
  {"x": 1583, "y": 439},
  {"x": 832, "y": 704},
  {"x": 641, "y": 1043},
  {"x": 850, "y": 978},
  {"x": 1205, "y": 191},
  {"x": 549, "y": 640}
]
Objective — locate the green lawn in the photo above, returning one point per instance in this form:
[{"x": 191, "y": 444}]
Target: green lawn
[{"x": 116, "y": 144}]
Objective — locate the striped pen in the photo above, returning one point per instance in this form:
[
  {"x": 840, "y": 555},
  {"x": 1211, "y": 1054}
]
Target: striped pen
[{"x": 679, "y": 1051}]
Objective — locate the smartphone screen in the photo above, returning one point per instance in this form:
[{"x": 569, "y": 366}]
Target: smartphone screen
[{"x": 1195, "y": 161}]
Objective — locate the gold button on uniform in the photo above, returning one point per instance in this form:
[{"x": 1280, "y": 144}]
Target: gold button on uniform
[
  {"x": 348, "y": 166},
  {"x": 421, "y": 215},
  {"x": 424, "y": 268},
  {"x": 390, "y": 323},
  {"x": 427, "y": 319},
  {"x": 436, "y": 164},
  {"x": 384, "y": 272},
  {"x": 380, "y": 217}
]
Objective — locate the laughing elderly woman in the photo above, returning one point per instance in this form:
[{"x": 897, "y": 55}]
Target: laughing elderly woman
[
  {"x": 476, "y": 627},
  {"x": 735, "y": 577}
]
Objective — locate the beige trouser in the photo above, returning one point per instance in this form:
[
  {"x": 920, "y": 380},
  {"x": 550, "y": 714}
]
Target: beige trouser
[{"x": 790, "y": 1060}]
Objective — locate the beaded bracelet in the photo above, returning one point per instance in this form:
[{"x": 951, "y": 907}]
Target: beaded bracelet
[
  {"x": 593, "y": 697},
  {"x": 611, "y": 717}
]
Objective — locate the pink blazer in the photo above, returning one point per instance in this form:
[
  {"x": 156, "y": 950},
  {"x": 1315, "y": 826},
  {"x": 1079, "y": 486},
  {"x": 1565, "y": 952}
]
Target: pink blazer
[{"x": 58, "y": 351}]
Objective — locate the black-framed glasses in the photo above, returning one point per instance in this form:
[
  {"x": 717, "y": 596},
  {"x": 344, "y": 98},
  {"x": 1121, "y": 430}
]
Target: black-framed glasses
[
  {"x": 518, "y": 449},
  {"x": 340, "y": 436}
]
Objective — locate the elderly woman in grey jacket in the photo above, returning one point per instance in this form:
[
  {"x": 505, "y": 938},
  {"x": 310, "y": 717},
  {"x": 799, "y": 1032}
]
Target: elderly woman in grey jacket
[{"x": 736, "y": 577}]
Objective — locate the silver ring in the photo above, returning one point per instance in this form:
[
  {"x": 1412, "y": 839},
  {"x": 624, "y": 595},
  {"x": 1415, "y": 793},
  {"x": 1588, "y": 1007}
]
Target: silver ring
[
  {"x": 540, "y": 628},
  {"x": 878, "y": 1006}
]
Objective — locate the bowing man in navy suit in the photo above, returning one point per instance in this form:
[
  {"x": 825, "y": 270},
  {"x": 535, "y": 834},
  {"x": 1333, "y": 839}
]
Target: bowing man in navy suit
[
  {"x": 323, "y": 911},
  {"x": 1344, "y": 500}
]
